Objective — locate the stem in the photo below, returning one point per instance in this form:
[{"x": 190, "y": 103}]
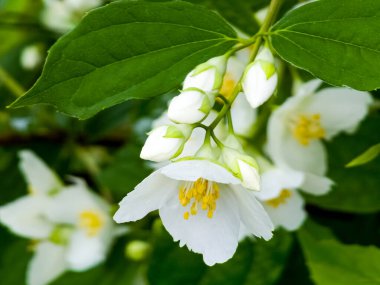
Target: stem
[
  {"x": 257, "y": 39},
  {"x": 11, "y": 83}
]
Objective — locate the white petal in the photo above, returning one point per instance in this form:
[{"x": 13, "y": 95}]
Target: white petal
[
  {"x": 203, "y": 81},
  {"x": 185, "y": 108},
  {"x": 26, "y": 217},
  {"x": 38, "y": 175},
  {"x": 341, "y": 109},
  {"x": 308, "y": 87},
  {"x": 252, "y": 213},
  {"x": 194, "y": 143},
  {"x": 243, "y": 116},
  {"x": 84, "y": 252},
  {"x": 250, "y": 176},
  {"x": 148, "y": 196},
  {"x": 47, "y": 264},
  {"x": 316, "y": 184},
  {"x": 215, "y": 238},
  {"x": 290, "y": 214},
  {"x": 72, "y": 200},
  {"x": 191, "y": 170},
  {"x": 275, "y": 180}
]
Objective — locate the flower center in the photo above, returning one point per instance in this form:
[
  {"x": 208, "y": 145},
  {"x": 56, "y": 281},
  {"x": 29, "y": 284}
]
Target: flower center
[
  {"x": 228, "y": 86},
  {"x": 91, "y": 222},
  {"x": 202, "y": 193},
  {"x": 281, "y": 199},
  {"x": 307, "y": 128}
]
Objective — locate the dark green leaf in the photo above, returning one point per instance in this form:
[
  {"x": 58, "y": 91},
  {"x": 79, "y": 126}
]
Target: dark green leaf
[
  {"x": 333, "y": 263},
  {"x": 334, "y": 40},
  {"x": 127, "y": 50}
]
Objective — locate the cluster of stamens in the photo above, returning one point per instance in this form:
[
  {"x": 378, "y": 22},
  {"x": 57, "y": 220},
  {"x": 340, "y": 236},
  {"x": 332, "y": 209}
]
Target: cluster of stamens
[
  {"x": 201, "y": 193},
  {"x": 91, "y": 222},
  {"x": 307, "y": 128},
  {"x": 281, "y": 199}
]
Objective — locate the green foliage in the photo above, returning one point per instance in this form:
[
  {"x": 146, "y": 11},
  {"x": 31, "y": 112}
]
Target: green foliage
[
  {"x": 336, "y": 42},
  {"x": 334, "y": 263},
  {"x": 255, "y": 262},
  {"x": 367, "y": 156},
  {"x": 356, "y": 189},
  {"x": 127, "y": 50}
]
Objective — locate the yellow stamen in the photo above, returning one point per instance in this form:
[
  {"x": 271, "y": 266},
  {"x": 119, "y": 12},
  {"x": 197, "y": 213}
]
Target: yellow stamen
[
  {"x": 90, "y": 221},
  {"x": 201, "y": 192},
  {"x": 281, "y": 199},
  {"x": 228, "y": 86},
  {"x": 308, "y": 127}
]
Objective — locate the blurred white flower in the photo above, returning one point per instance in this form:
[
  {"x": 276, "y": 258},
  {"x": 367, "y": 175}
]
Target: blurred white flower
[
  {"x": 296, "y": 128},
  {"x": 31, "y": 57},
  {"x": 63, "y": 15},
  {"x": 70, "y": 226},
  {"x": 201, "y": 204}
]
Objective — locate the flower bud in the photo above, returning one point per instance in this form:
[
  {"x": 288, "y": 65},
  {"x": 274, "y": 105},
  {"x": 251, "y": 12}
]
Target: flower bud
[
  {"x": 137, "y": 250},
  {"x": 207, "y": 76},
  {"x": 191, "y": 106},
  {"x": 243, "y": 166},
  {"x": 260, "y": 78},
  {"x": 165, "y": 142}
]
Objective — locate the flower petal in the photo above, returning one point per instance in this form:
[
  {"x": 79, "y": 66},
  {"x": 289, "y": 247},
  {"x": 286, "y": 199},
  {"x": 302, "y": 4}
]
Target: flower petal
[
  {"x": 341, "y": 109},
  {"x": 308, "y": 88},
  {"x": 148, "y": 196},
  {"x": 215, "y": 238},
  {"x": 243, "y": 116},
  {"x": 84, "y": 252},
  {"x": 38, "y": 175},
  {"x": 316, "y": 184},
  {"x": 252, "y": 213},
  {"x": 47, "y": 264},
  {"x": 191, "y": 170},
  {"x": 26, "y": 217},
  {"x": 275, "y": 180},
  {"x": 290, "y": 214}
]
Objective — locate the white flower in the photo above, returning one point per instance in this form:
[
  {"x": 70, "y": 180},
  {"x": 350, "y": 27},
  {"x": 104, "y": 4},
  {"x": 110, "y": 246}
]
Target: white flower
[
  {"x": 244, "y": 167},
  {"x": 296, "y": 128},
  {"x": 165, "y": 142},
  {"x": 71, "y": 226},
  {"x": 31, "y": 57},
  {"x": 280, "y": 198},
  {"x": 63, "y": 15},
  {"x": 201, "y": 204},
  {"x": 191, "y": 106},
  {"x": 207, "y": 76},
  {"x": 260, "y": 78}
]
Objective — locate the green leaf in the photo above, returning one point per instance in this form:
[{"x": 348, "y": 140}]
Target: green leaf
[
  {"x": 367, "y": 156},
  {"x": 255, "y": 262},
  {"x": 337, "y": 42},
  {"x": 356, "y": 190},
  {"x": 334, "y": 263},
  {"x": 127, "y": 50}
]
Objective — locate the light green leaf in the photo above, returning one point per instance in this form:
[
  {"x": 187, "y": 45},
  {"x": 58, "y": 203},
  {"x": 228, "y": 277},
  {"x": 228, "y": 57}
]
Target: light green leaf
[
  {"x": 367, "y": 156},
  {"x": 334, "y": 40},
  {"x": 127, "y": 50},
  {"x": 356, "y": 190},
  {"x": 334, "y": 263}
]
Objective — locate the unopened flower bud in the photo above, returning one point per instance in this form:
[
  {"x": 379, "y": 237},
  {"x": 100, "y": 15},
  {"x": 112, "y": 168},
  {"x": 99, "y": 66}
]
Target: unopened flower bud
[
  {"x": 191, "y": 106},
  {"x": 207, "y": 76},
  {"x": 137, "y": 250},
  {"x": 244, "y": 166},
  {"x": 165, "y": 142},
  {"x": 260, "y": 78}
]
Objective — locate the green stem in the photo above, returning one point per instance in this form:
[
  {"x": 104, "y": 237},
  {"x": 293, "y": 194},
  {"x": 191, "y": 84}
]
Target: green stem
[
  {"x": 11, "y": 83},
  {"x": 274, "y": 7}
]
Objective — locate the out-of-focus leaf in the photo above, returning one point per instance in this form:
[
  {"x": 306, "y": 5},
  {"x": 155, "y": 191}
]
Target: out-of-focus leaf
[
  {"x": 127, "y": 50},
  {"x": 125, "y": 172},
  {"x": 356, "y": 190},
  {"x": 334, "y": 263},
  {"x": 367, "y": 156},
  {"x": 334, "y": 40},
  {"x": 255, "y": 262}
]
